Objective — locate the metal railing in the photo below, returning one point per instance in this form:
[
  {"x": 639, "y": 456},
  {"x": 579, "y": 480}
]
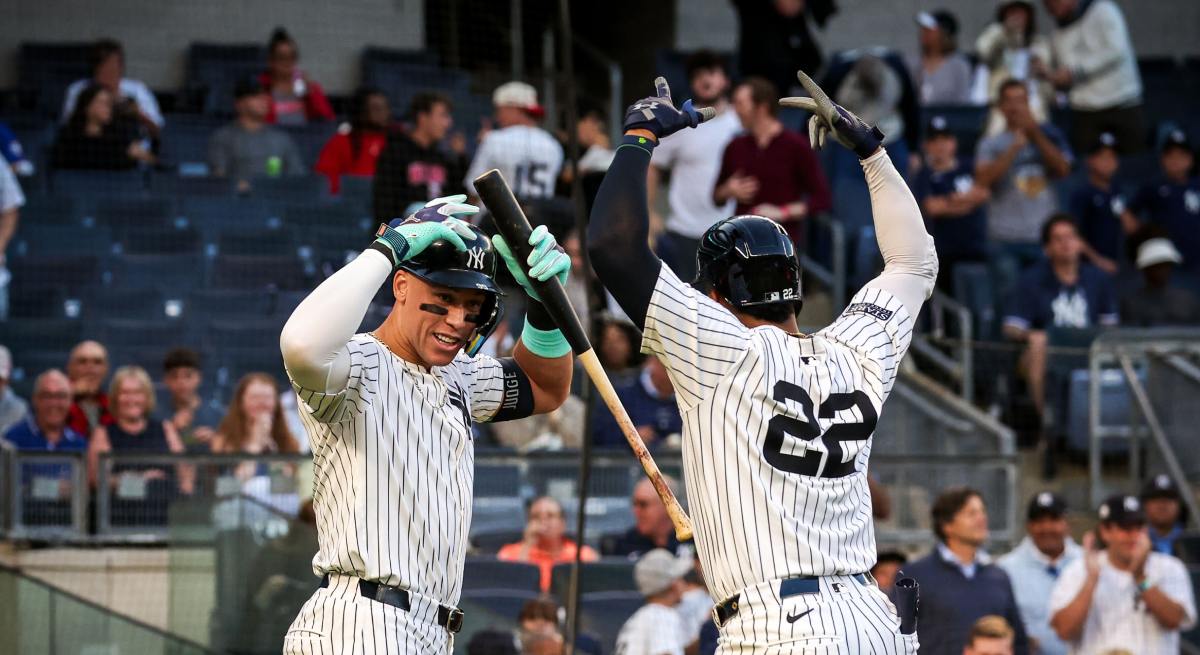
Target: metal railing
[
  {"x": 832, "y": 276},
  {"x": 947, "y": 346}
]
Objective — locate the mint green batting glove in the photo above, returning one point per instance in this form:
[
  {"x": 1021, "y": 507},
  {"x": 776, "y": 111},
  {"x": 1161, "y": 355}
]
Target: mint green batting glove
[
  {"x": 404, "y": 239},
  {"x": 548, "y": 260}
]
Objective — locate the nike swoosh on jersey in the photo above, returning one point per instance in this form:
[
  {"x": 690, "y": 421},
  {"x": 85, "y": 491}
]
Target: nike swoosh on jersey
[{"x": 796, "y": 617}]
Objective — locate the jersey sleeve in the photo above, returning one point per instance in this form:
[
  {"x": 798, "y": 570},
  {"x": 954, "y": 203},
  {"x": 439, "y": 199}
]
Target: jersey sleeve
[
  {"x": 697, "y": 340},
  {"x": 327, "y": 407},
  {"x": 877, "y": 326},
  {"x": 485, "y": 379}
]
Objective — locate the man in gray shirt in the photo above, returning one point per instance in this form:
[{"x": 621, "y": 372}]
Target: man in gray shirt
[
  {"x": 249, "y": 147},
  {"x": 943, "y": 75},
  {"x": 1018, "y": 166}
]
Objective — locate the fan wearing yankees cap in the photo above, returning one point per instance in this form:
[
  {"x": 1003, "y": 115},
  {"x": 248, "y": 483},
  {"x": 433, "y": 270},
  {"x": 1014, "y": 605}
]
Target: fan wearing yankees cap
[
  {"x": 657, "y": 628},
  {"x": 1165, "y": 513},
  {"x": 1125, "y": 596},
  {"x": 389, "y": 414},
  {"x": 1035, "y": 565}
]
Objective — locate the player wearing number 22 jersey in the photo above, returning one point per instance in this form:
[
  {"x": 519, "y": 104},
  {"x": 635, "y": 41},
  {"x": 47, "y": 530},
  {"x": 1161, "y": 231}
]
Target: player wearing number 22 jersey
[{"x": 777, "y": 424}]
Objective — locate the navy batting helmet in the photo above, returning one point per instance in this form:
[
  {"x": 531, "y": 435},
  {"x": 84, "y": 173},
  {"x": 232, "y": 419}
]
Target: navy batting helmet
[
  {"x": 474, "y": 268},
  {"x": 751, "y": 262}
]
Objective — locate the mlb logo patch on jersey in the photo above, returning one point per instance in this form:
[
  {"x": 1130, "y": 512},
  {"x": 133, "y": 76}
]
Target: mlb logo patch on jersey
[{"x": 870, "y": 309}]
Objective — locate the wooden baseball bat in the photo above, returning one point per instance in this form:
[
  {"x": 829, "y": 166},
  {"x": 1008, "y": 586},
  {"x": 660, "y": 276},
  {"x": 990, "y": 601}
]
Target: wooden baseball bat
[{"x": 511, "y": 222}]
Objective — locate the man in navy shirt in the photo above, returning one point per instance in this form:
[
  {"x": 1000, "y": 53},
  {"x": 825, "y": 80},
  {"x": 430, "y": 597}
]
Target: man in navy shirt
[
  {"x": 650, "y": 401},
  {"x": 951, "y": 201},
  {"x": 1100, "y": 207},
  {"x": 1173, "y": 202},
  {"x": 47, "y": 485},
  {"x": 1059, "y": 291}
]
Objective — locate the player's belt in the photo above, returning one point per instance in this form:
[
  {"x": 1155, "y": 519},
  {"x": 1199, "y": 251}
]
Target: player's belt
[
  {"x": 788, "y": 587},
  {"x": 450, "y": 618}
]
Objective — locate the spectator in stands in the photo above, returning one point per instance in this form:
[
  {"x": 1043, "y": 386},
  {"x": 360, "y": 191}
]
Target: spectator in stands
[
  {"x": 194, "y": 419},
  {"x": 541, "y": 642},
  {"x": 618, "y": 352},
  {"x": 93, "y": 139},
  {"x": 1007, "y": 48},
  {"x": 951, "y": 201},
  {"x": 887, "y": 567},
  {"x": 12, "y": 199},
  {"x": 693, "y": 158},
  {"x": 13, "y": 152},
  {"x": 695, "y": 605},
  {"x": 1059, "y": 291},
  {"x": 133, "y": 101},
  {"x": 652, "y": 527},
  {"x": 650, "y": 401},
  {"x": 1126, "y": 596},
  {"x": 942, "y": 73},
  {"x": 529, "y": 157},
  {"x": 543, "y": 615},
  {"x": 87, "y": 367},
  {"x": 990, "y": 635},
  {"x": 967, "y": 585},
  {"x": 1093, "y": 61},
  {"x": 770, "y": 171},
  {"x": 1159, "y": 301},
  {"x": 46, "y": 428},
  {"x": 254, "y": 423},
  {"x": 492, "y": 642},
  {"x": 545, "y": 542},
  {"x": 13, "y": 408},
  {"x": 1018, "y": 165},
  {"x": 356, "y": 147},
  {"x": 249, "y": 147},
  {"x": 592, "y": 134},
  {"x": 657, "y": 628},
  {"x": 774, "y": 39},
  {"x": 413, "y": 166},
  {"x": 1035, "y": 565},
  {"x": 294, "y": 98},
  {"x": 1165, "y": 513},
  {"x": 1100, "y": 207},
  {"x": 1173, "y": 201},
  {"x": 132, "y": 430}
]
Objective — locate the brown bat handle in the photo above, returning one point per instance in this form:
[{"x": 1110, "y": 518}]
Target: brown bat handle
[{"x": 683, "y": 526}]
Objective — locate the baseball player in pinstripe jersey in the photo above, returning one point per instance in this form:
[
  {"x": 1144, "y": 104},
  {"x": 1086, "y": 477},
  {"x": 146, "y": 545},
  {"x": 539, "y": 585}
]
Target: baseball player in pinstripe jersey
[
  {"x": 777, "y": 424},
  {"x": 389, "y": 415}
]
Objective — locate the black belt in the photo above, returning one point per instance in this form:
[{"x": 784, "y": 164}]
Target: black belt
[
  {"x": 788, "y": 587},
  {"x": 450, "y": 618}
]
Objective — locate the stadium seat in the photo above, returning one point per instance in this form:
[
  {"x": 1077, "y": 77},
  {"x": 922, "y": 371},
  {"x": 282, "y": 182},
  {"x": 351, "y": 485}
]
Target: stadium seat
[
  {"x": 251, "y": 272},
  {"x": 605, "y": 575},
  {"x": 136, "y": 304},
  {"x": 497, "y": 604},
  {"x": 129, "y": 334},
  {"x": 126, "y": 214},
  {"x": 46, "y": 70},
  {"x": 35, "y": 301},
  {"x": 324, "y": 216},
  {"x": 489, "y": 543},
  {"x": 604, "y": 612},
  {"x": 212, "y": 213},
  {"x": 185, "y": 142},
  {"x": 278, "y": 242},
  {"x": 174, "y": 275},
  {"x": 214, "y": 69},
  {"x": 182, "y": 186},
  {"x": 497, "y": 480},
  {"x": 356, "y": 191},
  {"x": 236, "y": 360},
  {"x": 973, "y": 287},
  {"x": 47, "y": 209},
  {"x": 68, "y": 272},
  {"x": 162, "y": 241},
  {"x": 331, "y": 246},
  {"x": 1116, "y": 409},
  {"x": 496, "y": 514},
  {"x": 97, "y": 183},
  {"x": 206, "y": 304},
  {"x": 59, "y": 334},
  {"x": 244, "y": 333},
  {"x": 35, "y": 238},
  {"x": 606, "y": 479},
  {"x": 491, "y": 573},
  {"x": 29, "y": 363},
  {"x": 291, "y": 188},
  {"x": 310, "y": 139}
]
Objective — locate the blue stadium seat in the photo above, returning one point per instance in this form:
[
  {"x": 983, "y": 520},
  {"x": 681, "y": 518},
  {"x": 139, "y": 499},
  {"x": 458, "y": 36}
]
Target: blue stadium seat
[
  {"x": 183, "y": 186},
  {"x": 604, "y": 612},
  {"x": 356, "y": 191},
  {"x": 47, "y": 209},
  {"x": 973, "y": 288},
  {"x": 606, "y": 480},
  {"x": 138, "y": 304},
  {"x": 58, "y": 334},
  {"x": 244, "y": 333},
  {"x": 235, "y": 361},
  {"x": 291, "y": 188},
  {"x": 490, "y": 573},
  {"x": 145, "y": 335},
  {"x": 324, "y": 215},
  {"x": 46, "y": 70},
  {"x": 98, "y": 183},
  {"x": 495, "y": 604},
  {"x": 489, "y": 543},
  {"x": 606, "y": 575},
  {"x": 278, "y": 242},
  {"x": 28, "y": 363},
  {"x": 310, "y": 139},
  {"x": 185, "y": 141},
  {"x": 332, "y": 245},
  {"x": 205, "y": 304},
  {"x": 71, "y": 273},
  {"x": 497, "y": 480},
  {"x": 213, "y": 213},
  {"x": 36, "y": 238},
  {"x": 214, "y": 69},
  {"x": 134, "y": 213},
  {"x": 252, "y": 272},
  {"x": 174, "y": 275},
  {"x": 497, "y": 514},
  {"x": 162, "y": 241},
  {"x": 36, "y": 301},
  {"x": 1116, "y": 409}
]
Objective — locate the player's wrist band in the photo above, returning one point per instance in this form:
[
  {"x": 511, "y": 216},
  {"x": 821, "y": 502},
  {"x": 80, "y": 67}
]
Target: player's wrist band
[
  {"x": 638, "y": 142},
  {"x": 538, "y": 316},
  {"x": 394, "y": 245},
  {"x": 549, "y": 344}
]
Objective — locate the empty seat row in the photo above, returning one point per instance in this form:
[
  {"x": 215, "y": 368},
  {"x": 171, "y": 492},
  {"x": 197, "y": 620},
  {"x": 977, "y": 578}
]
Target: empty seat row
[{"x": 176, "y": 274}]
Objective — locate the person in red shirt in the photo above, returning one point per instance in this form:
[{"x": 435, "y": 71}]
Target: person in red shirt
[
  {"x": 295, "y": 98},
  {"x": 545, "y": 542},
  {"x": 770, "y": 170},
  {"x": 356, "y": 146},
  {"x": 87, "y": 366}
]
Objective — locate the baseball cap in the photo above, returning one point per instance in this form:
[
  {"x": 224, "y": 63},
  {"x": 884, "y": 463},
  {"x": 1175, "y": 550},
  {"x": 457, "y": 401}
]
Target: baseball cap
[
  {"x": 1176, "y": 138},
  {"x": 517, "y": 94},
  {"x": 938, "y": 19},
  {"x": 1160, "y": 486},
  {"x": 937, "y": 125},
  {"x": 657, "y": 569},
  {"x": 247, "y": 86},
  {"x": 1157, "y": 251},
  {"x": 1102, "y": 141},
  {"x": 1123, "y": 510},
  {"x": 1046, "y": 503},
  {"x": 5, "y": 363}
]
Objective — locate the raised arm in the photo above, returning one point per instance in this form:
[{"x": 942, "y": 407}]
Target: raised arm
[
  {"x": 910, "y": 262},
  {"x": 619, "y": 230}
]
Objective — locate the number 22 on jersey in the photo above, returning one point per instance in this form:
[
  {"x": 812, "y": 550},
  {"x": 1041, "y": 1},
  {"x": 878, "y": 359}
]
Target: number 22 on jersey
[{"x": 812, "y": 462}]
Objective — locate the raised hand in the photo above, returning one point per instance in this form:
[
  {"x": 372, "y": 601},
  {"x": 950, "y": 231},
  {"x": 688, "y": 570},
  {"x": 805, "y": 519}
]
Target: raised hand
[
  {"x": 657, "y": 113},
  {"x": 406, "y": 238},
  {"x": 831, "y": 118},
  {"x": 547, "y": 260}
]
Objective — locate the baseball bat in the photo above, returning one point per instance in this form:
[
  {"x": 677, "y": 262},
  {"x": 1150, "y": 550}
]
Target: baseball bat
[{"x": 511, "y": 222}]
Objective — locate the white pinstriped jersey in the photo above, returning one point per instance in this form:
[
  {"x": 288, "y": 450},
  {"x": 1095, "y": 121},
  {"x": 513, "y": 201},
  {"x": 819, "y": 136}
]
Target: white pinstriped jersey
[
  {"x": 528, "y": 157},
  {"x": 394, "y": 467},
  {"x": 777, "y": 431}
]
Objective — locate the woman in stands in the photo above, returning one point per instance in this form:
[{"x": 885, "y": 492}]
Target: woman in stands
[
  {"x": 133, "y": 431},
  {"x": 295, "y": 98},
  {"x": 545, "y": 542},
  {"x": 92, "y": 139},
  {"x": 356, "y": 146},
  {"x": 254, "y": 423}
]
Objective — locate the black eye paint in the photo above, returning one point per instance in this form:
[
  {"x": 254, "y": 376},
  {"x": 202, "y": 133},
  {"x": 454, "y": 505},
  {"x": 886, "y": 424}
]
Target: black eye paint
[{"x": 434, "y": 309}]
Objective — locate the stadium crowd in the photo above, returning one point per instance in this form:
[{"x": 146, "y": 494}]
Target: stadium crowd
[{"x": 1055, "y": 192}]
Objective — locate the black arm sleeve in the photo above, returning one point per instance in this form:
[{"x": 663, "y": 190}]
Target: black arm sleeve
[{"x": 618, "y": 233}]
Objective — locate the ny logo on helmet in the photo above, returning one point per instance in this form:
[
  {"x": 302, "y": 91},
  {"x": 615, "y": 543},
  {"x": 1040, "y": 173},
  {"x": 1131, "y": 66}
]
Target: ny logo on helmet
[{"x": 475, "y": 258}]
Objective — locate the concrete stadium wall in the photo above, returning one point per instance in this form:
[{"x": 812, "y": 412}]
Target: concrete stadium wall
[
  {"x": 1163, "y": 27},
  {"x": 156, "y": 32}
]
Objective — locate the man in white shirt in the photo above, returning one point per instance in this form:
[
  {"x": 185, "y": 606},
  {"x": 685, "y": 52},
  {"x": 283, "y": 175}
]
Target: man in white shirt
[
  {"x": 133, "y": 97},
  {"x": 1035, "y": 565},
  {"x": 1126, "y": 597},
  {"x": 528, "y": 156},
  {"x": 693, "y": 158},
  {"x": 657, "y": 628}
]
